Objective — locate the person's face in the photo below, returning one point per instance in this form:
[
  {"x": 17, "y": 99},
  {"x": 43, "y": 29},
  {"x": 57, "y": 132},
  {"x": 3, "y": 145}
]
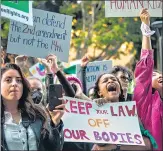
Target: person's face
[
  {"x": 124, "y": 80},
  {"x": 109, "y": 88},
  {"x": 157, "y": 81},
  {"x": 35, "y": 85},
  {"x": 11, "y": 86}
]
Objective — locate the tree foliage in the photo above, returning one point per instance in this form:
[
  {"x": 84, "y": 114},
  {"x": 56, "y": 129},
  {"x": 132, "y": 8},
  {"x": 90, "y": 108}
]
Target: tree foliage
[{"x": 91, "y": 31}]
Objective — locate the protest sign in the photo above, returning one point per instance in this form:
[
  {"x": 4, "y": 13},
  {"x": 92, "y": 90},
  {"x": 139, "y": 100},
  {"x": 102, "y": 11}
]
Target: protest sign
[
  {"x": 50, "y": 34},
  {"x": 18, "y": 10},
  {"x": 93, "y": 71},
  {"x": 38, "y": 71},
  {"x": 113, "y": 123},
  {"x": 131, "y": 8}
]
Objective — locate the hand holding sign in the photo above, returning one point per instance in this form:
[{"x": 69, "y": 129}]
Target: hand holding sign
[
  {"x": 84, "y": 61},
  {"x": 100, "y": 101}
]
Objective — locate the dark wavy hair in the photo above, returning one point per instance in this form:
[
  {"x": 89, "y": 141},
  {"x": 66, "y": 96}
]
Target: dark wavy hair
[
  {"x": 124, "y": 70},
  {"x": 96, "y": 88},
  {"x": 25, "y": 105}
]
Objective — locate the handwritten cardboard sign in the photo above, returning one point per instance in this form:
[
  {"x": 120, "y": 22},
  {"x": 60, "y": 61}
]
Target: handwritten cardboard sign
[
  {"x": 93, "y": 71},
  {"x": 113, "y": 123},
  {"x": 131, "y": 8},
  {"x": 50, "y": 34}
]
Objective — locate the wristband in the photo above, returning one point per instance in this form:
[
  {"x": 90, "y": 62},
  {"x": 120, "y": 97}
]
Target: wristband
[{"x": 146, "y": 31}]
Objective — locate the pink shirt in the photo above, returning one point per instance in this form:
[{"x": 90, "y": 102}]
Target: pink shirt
[{"x": 149, "y": 106}]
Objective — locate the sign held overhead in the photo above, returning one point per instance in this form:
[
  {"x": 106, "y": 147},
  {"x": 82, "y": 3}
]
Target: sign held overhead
[{"x": 131, "y": 8}]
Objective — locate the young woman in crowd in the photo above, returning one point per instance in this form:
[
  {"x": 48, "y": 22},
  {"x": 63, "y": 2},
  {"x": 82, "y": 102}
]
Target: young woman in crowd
[
  {"x": 37, "y": 90},
  {"x": 24, "y": 125},
  {"x": 107, "y": 90},
  {"x": 148, "y": 92}
]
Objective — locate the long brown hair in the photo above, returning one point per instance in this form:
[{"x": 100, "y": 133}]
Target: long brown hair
[{"x": 25, "y": 104}]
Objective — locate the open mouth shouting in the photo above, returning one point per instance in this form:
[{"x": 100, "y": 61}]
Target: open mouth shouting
[
  {"x": 112, "y": 88},
  {"x": 160, "y": 80}
]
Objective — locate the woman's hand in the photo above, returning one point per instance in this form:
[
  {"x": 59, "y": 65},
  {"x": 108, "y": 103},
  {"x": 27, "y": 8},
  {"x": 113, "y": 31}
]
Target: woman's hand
[
  {"x": 84, "y": 61},
  {"x": 144, "y": 16},
  {"x": 79, "y": 91},
  {"x": 57, "y": 114},
  {"x": 52, "y": 60},
  {"x": 100, "y": 101}
]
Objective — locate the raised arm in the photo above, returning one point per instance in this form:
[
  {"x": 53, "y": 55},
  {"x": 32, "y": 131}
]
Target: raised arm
[
  {"x": 62, "y": 79},
  {"x": 146, "y": 40},
  {"x": 144, "y": 69}
]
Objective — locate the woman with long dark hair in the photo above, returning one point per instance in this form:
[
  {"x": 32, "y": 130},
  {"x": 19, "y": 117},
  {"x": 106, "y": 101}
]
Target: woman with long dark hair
[{"x": 24, "y": 124}]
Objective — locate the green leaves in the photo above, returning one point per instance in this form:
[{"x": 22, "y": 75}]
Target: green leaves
[{"x": 5, "y": 23}]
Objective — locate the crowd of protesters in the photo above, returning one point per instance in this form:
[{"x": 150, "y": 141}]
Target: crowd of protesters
[{"x": 28, "y": 124}]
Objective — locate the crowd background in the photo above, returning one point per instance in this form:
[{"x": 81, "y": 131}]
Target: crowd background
[{"x": 90, "y": 38}]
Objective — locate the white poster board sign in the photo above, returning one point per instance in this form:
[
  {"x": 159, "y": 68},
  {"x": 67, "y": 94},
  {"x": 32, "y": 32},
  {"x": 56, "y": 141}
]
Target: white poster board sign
[
  {"x": 131, "y": 8},
  {"x": 93, "y": 71},
  {"x": 113, "y": 123},
  {"x": 18, "y": 10},
  {"x": 50, "y": 34}
]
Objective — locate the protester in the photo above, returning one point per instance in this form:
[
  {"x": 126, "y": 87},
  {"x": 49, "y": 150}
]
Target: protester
[
  {"x": 125, "y": 77},
  {"x": 108, "y": 89},
  {"x": 38, "y": 90},
  {"x": 148, "y": 91},
  {"x": 24, "y": 125}
]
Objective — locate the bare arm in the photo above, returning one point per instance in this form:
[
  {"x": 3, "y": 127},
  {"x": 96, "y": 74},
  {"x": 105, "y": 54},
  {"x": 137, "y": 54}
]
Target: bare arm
[{"x": 146, "y": 43}]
